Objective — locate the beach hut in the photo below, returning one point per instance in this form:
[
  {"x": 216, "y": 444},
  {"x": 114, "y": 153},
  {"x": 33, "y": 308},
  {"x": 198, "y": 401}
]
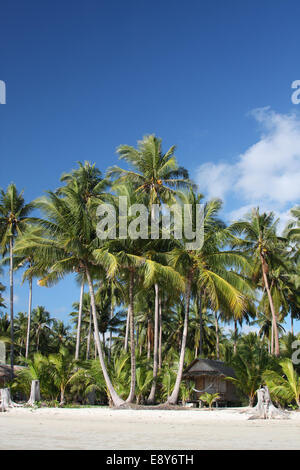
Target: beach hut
[
  {"x": 5, "y": 373},
  {"x": 209, "y": 376}
]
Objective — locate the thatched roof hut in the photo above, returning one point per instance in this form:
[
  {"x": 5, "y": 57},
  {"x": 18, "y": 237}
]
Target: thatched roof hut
[
  {"x": 5, "y": 373},
  {"x": 209, "y": 376}
]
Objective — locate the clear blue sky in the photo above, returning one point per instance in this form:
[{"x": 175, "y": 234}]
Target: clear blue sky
[{"x": 84, "y": 77}]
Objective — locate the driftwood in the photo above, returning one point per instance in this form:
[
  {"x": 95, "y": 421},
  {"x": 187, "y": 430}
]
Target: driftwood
[
  {"x": 34, "y": 393},
  {"x": 265, "y": 408}
]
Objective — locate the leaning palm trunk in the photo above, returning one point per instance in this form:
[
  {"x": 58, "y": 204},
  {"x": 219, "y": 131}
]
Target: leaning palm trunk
[
  {"x": 110, "y": 332},
  {"x": 11, "y": 284},
  {"x": 149, "y": 335},
  {"x": 79, "y": 322},
  {"x": 160, "y": 336},
  {"x": 114, "y": 396},
  {"x": 266, "y": 282},
  {"x": 132, "y": 340},
  {"x": 151, "y": 398},
  {"x": 199, "y": 305},
  {"x": 29, "y": 319},
  {"x": 88, "y": 344},
  {"x": 173, "y": 398},
  {"x": 235, "y": 336},
  {"x": 127, "y": 330},
  {"x": 217, "y": 336},
  {"x": 272, "y": 338}
]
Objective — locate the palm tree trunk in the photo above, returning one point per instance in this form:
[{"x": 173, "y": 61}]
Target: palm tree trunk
[
  {"x": 149, "y": 334},
  {"x": 160, "y": 335},
  {"x": 103, "y": 342},
  {"x": 95, "y": 349},
  {"x": 199, "y": 305},
  {"x": 62, "y": 395},
  {"x": 29, "y": 319},
  {"x": 132, "y": 340},
  {"x": 292, "y": 325},
  {"x": 114, "y": 396},
  {"x": 217, "y": 336},
  {"x": 110, "y": 331},
  {"x": 172, "y": 400},
  {"x": 127, "y": 330},
  {"x": 235, "y": 336},
  {"x": 266, "y": 282},
  {"x": 11, "y": 284},
  {"x": 79, "y": 322},
  {"x": 88, "y": 343},
  {"x": 151, "y": 398}
]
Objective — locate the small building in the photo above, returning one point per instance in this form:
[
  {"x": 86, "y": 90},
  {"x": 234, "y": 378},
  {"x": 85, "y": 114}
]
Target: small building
[
  {"x": 5, "y": 373},
  {"x": 209, "y": 376}
]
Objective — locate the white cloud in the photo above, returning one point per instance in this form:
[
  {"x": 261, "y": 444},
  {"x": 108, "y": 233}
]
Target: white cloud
[
  {"x": 215, "y": 179},
  {"x": 266, "y": 174}
]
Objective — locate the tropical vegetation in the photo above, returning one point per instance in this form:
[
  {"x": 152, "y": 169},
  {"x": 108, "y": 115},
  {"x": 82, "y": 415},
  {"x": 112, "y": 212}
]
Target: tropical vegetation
[{"x": 147, "y": 307}]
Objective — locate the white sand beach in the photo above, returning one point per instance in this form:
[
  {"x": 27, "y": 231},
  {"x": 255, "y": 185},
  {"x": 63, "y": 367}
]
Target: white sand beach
[{"x": 104, "y": 428}]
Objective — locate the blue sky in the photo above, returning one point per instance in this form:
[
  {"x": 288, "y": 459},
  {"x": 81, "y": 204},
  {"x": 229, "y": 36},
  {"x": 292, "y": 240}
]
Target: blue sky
[{"x": 213, "y": 77}]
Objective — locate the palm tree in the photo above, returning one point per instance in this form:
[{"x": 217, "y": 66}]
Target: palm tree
[
  {"x": 37, "y": 369},
  {"x": 284, "y": 385},
  {"x": 2, "y": 289},
  {"x": 90, "y": 181},
  {"x": 41, "y": 324},
  {"x": 61, "y": 334},
  {"x": 69, "y": 247},
  {"x": 262, "y": 243},
  {"x": 154, "y": 173},
  {"x": 92, "y": 186},
  {"x": 157, "y": 176},
  {"x": 209, "y": 398},
  {"x": 33, "y": 269},
  {"x": 14, "y": 218},
  {"x": 133, "y": 259},
  {"x": 208, "y": 268},
  {"x": 249, "y": 364},
  {"x": 63, "y": 370},
  {"x": 292, "y": 231}
]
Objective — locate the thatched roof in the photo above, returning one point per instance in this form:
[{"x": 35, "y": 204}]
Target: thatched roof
[
  {"x": 5, "y": 371},
  {"x": 208, "y": 367}
]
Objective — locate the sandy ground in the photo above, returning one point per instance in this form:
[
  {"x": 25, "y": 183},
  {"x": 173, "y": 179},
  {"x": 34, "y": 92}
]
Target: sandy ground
[{"x": 103, "y": 428}]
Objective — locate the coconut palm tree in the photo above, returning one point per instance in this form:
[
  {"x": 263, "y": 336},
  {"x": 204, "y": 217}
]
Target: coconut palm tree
[
  {"x": 156, "y": 176},
  {"x": 292, "y": 231},
  {"x": 41, "y": 325},
  {"x": 62, "y": 370},
  {"x": 260, "y": 241},
  {"x": 37, "y": 369},
  {"x": 33, "y": 269},
  {"x": 284, "y": 385},
  {"x": 134, "y": 259},
  {"x": 69, "y": 248},
  {"x": 209, "y": 398},
  {"x": 209, "y": 268},
  {"x": 14, "y": 218},
  {"x": 249, "y": 364},
  {"x": 92, "y": 186},
  {"x": 154, "y": 173}
]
